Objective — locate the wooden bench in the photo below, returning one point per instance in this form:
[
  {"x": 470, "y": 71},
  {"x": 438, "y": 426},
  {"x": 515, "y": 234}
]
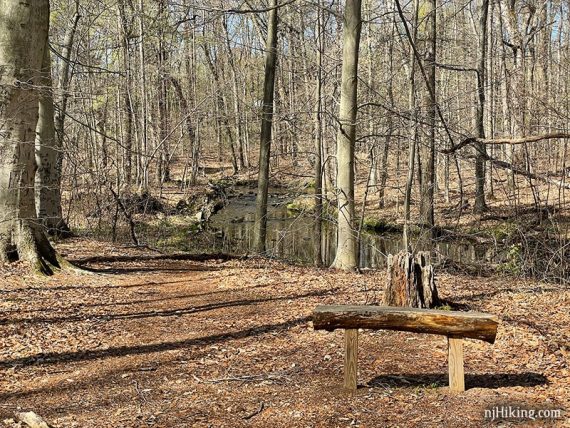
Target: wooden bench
[{"x": 454, "y": 325}]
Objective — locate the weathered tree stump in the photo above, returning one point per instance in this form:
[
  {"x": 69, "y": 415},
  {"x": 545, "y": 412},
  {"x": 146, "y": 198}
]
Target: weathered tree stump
[{"x": 411, "y": 281}]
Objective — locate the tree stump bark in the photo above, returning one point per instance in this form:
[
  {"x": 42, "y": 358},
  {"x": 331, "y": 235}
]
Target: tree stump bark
[{"x": 411, "y": 281}]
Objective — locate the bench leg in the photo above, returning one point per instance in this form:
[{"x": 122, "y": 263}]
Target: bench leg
[
  {"x": 455, "y": 361},
  {"x": 350, "y": 359}
]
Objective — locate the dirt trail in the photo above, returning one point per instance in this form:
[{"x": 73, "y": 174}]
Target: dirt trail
[{"x": 149, "y": 341}]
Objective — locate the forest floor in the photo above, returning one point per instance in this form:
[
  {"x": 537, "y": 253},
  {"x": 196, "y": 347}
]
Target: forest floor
[{"x": 147, "y": 340}]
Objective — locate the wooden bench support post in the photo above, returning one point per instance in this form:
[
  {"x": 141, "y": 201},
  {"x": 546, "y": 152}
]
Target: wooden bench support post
[
  {"x": 456, "y": 326},
  {"x": 350, "y": 359},
  {"x": 455, "y": 361}
]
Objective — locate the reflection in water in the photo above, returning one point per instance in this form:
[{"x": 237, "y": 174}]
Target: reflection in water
[{"x": 290, "y": 236}]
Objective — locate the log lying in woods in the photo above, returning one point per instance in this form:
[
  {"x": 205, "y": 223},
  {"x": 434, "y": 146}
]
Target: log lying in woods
[
  {"x": 472, "y": 325},
  {"x": 454, "y": 325}
]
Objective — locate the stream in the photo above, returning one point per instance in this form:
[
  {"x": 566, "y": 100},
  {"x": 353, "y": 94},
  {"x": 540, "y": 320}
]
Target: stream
[{"x": 290, "y": 236}]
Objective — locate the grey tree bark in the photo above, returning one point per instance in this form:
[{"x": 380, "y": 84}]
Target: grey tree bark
[
  {"x": 65, "y": 77},
  {"x": 480, "y": 203},
  {"x": 346, "y": 250},
  {"x": 390, "y": 125},
  {"x": 23, "y": 39},
  {"x": 163, "y": 110},
  {"x": 144, "y": 158},
  {"x": 190, "y": 127},
  {"x": 126, "y": 92},
  {"x": 318, "y": 232},
  {"x": 221, "y": 105},
  {"x": 48, "y": 157},
  {"x": 427, "y": 150},
  {"x": 260, "y": 227},
  {"x": 50, "y": 132},
  {"x": 413, "y": 132},
  {"x": 236, "y": 102}
]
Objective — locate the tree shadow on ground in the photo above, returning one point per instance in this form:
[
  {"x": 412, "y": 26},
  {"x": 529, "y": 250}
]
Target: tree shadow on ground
[
  {"x": 492, "y": 293},
  {"x": 172, "y": 298},
  {"x": 140, "y": 257},
  {"x": 149, "y": 269},
  {"x": 47, "y": 288},
  {"x": 486, "y": 380},
  {"x": 85, "y": 263},
  {"x": 50, "y": 358},
  {"x": 153, "y": 313}
]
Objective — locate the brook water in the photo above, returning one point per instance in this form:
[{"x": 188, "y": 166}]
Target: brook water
[{"x": 290, "y": 236}]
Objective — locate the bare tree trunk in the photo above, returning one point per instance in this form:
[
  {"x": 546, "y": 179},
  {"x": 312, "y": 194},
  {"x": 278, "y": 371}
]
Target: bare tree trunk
[
  {"x": 222, "y": 106},
  {"x": 390, "y": 125},
  {"x": 260, "y": 227},
  {"x": 126, "y": 94},
  {"x": 23, "y": 38},
  {"x": 514, "y": 82},
  {"x": 427, "y": 152},
  {"x": 346, "y": 252},
  {"x": 237, "y": 114},
  {"x": 48, "y": 157},
  {"x": 193, "y": 129},
  {"x": 480, "y": 203},
  {"x": 413, "y": 133},
  {"x": 65, "y": 77},
  {"x": 50, "y": 134},
  {"x": 370, "y": 80},
  {"x": 164, "y": 159},
  {"x": 319, "y": 143},
  {"x": 144, "y": 158},
  {"x": 194, "y": 144}
]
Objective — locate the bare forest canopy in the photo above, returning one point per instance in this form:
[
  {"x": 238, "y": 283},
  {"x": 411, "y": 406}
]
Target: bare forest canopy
[{"x": 424, "y": 112}]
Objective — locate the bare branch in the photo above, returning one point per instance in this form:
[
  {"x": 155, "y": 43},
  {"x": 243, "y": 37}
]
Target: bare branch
[
  {"x": 453, "y": 67},
  {"x": 512, "y": 141},
  {"x": 523, "y": 172}
]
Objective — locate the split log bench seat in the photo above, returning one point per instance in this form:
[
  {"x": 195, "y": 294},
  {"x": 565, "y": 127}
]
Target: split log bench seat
[{"x": 452, "y": 324}]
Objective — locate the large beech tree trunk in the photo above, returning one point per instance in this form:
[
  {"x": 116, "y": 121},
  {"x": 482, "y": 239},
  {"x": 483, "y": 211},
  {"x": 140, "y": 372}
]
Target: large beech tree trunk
[
  {"x": 346, "y": 251},
  {"x": 411, "y": 281},
  {"x": 23, "y": 38}
]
